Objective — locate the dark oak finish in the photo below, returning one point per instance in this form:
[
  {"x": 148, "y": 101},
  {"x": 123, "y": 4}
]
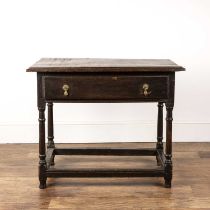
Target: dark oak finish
[
  {"x": 105, "y": 87},
  {"x": 106, "y": 151},
  {"x": 42, "y": 152},
  {"x": 50, "y": 137},
  {"x": 50, "y": 126},
  {"x": 156, "y": 172},
  {"x": 160, "y": 126},
  {"x": 105, "y": 80},
  {"x": 159, "y": 145}
]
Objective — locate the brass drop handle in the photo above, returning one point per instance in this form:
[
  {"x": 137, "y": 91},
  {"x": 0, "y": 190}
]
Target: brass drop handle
[
  {"x": 66, "y": 89},
  {"x": 145, "y": 89}
]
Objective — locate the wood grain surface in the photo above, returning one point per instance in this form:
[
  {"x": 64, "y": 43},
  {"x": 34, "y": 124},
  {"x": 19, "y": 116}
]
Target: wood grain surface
[
  {"x": 19, "y": 183},
  {"x": 103, "y": 65}
]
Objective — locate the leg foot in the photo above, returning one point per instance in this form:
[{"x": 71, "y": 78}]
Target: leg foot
[
  {"x": 167, "y": 184},
  {"x": 168, "y": 171},
  {"x": 42, "y": 185}
]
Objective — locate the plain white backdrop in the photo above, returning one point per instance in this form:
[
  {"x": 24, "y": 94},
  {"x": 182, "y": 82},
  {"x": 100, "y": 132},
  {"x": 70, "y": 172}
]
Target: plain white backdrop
[{"x": 31, "y": 29}]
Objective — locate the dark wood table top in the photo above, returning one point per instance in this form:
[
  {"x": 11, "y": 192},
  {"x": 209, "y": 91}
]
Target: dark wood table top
[{"x": 104, "y": 65}]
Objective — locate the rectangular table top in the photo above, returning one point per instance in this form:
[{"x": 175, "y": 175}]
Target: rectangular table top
[{"x": 104, "y": 65}]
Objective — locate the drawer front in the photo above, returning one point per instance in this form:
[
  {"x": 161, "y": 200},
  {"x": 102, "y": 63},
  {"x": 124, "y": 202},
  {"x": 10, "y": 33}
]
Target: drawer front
[{"x": 105, "y": 87}]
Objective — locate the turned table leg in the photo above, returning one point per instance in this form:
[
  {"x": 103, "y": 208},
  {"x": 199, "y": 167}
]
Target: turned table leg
[
  {"x": 168, "y": 152},
  {"x": 42, "y": 152},
  {"x": 50, "y": 137},
  {"x": 159, "y": 145}
]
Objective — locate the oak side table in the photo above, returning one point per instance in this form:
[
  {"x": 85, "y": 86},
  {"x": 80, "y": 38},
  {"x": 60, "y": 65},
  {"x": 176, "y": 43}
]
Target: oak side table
[{"x": 82, "y": 80}]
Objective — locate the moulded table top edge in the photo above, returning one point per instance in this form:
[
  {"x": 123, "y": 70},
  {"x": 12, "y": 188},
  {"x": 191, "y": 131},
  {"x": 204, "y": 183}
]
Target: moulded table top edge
[{"x": 104, "y": 65}]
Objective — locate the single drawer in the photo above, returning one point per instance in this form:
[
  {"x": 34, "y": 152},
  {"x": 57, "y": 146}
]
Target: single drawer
[{"x": 105, "y": 87}]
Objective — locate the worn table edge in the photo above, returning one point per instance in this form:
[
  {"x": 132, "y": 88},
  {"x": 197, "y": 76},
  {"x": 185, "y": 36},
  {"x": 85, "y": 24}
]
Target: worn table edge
[{"x": 86, "y": 67}]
